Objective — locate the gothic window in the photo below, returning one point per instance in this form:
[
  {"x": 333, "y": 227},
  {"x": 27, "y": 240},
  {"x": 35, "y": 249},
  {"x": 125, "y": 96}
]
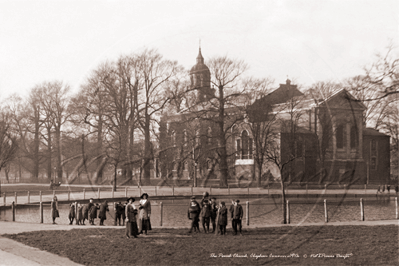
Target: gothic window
[
  {"x": 173, "y": 136},
  {"x": 197, "y": 138},
  {"x": 246, "y": 142},
  {"x": 185, "y": 138},
  {"x": 238, "y": 148},
  {"x": 354, "y": 137},
  {"x": 340, "y": 136}
]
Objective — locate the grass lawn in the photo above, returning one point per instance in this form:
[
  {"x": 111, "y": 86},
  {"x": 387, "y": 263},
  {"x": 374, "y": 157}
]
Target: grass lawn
[{"x": 318, "y": 245}]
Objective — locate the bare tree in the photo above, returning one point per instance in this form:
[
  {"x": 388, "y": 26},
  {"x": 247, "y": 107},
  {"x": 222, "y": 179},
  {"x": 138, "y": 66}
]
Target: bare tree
[
  {"x": 8, "y": 141},
  {"x": 223, "y": 108},
  {"x": 283, "y": 150},
  {"x": 153, "y": 75}
]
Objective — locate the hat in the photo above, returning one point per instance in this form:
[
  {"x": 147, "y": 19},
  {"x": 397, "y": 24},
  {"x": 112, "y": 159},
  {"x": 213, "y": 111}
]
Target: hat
[
  {"x": 223, "y": 203},
  {"x": 206, "y": 194},
  {"x": 193, "y": 197},
  {"x": 205, "y": 201},
  {"x": 144, "y": 194},
  {"x": 237, "y": 200},
  {"x": 131, "y": 198}
]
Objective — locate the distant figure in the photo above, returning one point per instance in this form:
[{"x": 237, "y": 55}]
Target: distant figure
[
  {"x": 86, "y": 209},
  {"x": 144, "y": 214},
  {"x": 119, "y": 214},
  {"x": 396, "y": 188},
  {"x": 71, "y": 215},
  {"x": 378, "y": 189},
  {"x": 205, "y": 215},
  {"x": 222, "y": 218},
  {"x": 193, "y": 214},
  {"x": 54, "y": 209},
  {"x": 236, "y": 216},
  {"x": 79, "y": 219},
  {"x": 214, "y": 210},
  {"x": 131, "y": 222},
  {"x": 54, "y": 185},
  {"x": 388, "y": 188},
  {"x": 103, "y": 212},
  {"x": 383, "y": 188},
  {"x": 93, "y": 213}
]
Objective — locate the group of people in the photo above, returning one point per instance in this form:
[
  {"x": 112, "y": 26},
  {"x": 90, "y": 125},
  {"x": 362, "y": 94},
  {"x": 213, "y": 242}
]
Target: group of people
[
  {"x": 123, "y": 212},
  {"x": 381, "y": 189},
  {"x": 142, "y": 224},
  {"x": 137, "y": 216},
  {"x": 84, "y": 212},
  {"x": 208, "y": 211}
]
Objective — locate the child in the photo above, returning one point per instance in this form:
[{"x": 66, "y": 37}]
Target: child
[
  {"x": 193, "y": 213},
  {"x": 79, "y": 219},
  {"x": 222, "y": 218},
  {"x": 205, "y": 215},
  {"x": 71, "y": 215}
]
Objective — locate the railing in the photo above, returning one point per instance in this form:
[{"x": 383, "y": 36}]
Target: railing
[
  {"x": 160, "y": 212},
  {"x": 74, "y": 194}
]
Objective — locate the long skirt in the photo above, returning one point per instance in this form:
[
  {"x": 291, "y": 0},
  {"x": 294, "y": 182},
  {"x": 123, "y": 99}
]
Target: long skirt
[
  {"x": 144, "y": 224},
  {"x": 131, "y": 229}
]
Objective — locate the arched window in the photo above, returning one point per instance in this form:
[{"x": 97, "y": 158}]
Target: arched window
[
  {"x": 246, "y": 142},
  {"x": 185, "y": 138},
  {"x": 354, "y": 137},
  {"x": 197, "y": 137},
  {"x": 173, "y": 136},
  {"x": 340, "y": 136}
]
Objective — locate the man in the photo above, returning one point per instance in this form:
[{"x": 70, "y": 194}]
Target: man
[
  {"x": 193, "y": 213},
  {"x": 214, "y": 210},
  {"x": 236, "y": 216}
]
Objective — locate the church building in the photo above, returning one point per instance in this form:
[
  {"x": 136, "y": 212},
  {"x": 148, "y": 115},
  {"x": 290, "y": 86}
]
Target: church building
[{"x": 318, "y": 140}]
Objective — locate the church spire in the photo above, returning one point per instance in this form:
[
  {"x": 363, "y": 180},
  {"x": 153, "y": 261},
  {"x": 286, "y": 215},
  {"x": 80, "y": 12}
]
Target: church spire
[{"x": 200, "y": 59}]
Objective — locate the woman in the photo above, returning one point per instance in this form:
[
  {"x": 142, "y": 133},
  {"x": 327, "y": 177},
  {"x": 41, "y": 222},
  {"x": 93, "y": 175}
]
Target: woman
[
  {"x": 93, "y": 213},
  {"x": 145, "y": 213},
  {"x": 103, "y": 212},
  {"x": 54, "y": 209},
  {"x": 222, "y": 218},
  {"x": 131, "y": 224}
]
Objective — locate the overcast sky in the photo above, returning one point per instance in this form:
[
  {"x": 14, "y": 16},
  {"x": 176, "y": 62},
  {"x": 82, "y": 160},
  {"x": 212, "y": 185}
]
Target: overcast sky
[{"x": 307, "y": 40}]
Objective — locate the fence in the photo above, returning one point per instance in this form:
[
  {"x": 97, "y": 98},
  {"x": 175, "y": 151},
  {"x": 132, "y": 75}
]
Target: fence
[{"x": 167, "y": 213}]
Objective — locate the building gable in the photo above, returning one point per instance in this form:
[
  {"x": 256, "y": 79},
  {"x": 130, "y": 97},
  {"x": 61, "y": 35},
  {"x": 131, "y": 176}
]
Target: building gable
[{"x": 343, "y": 100}]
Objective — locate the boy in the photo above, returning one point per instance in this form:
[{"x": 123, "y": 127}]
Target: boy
[{"x": 193, "y": 214}]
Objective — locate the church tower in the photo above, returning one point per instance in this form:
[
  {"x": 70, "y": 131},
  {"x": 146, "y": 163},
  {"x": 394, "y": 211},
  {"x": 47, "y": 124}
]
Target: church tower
[{"x": 201, "y": 80}]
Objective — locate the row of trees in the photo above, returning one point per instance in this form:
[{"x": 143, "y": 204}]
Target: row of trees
[{"x": 114, "y": 119}]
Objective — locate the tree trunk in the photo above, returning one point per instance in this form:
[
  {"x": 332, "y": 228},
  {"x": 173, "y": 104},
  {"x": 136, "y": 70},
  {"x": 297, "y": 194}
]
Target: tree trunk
[
  {"x": 147, "y": 151},
  {"x": 49, "y": 169},
  {"x": 259, "y": 163},
  {"x": 223, "y": 166},
  {"x": 36, "y": 148},
  {"x": 100, "y": 147},
  {"x": 59, "y": 152},
  {"x": 283, "y": 200}
]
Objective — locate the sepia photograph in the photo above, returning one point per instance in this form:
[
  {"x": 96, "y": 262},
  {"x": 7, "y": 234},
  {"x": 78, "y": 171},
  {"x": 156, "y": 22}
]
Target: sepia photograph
[{"x": 259, "y": 132}]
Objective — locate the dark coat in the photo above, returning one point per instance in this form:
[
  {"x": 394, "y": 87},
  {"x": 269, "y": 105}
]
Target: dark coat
[
  {"x": 131, "y": 213},
  {"x": 103, "y": 211},
  {"x": 222, "y": 216},
  {"x": 214, "y": 210},
  {"x": 71, "y": 211},
  {"x": 206, "y": 210},
  {"x": 80, "y": 213},
  {"x": 238, "y": 214},
  {"x": 194, "y": 210},
  {"x": 93, "y": 212},
  {"x": 54, "y": 210},
  {"x": 86, "y": 209}
]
